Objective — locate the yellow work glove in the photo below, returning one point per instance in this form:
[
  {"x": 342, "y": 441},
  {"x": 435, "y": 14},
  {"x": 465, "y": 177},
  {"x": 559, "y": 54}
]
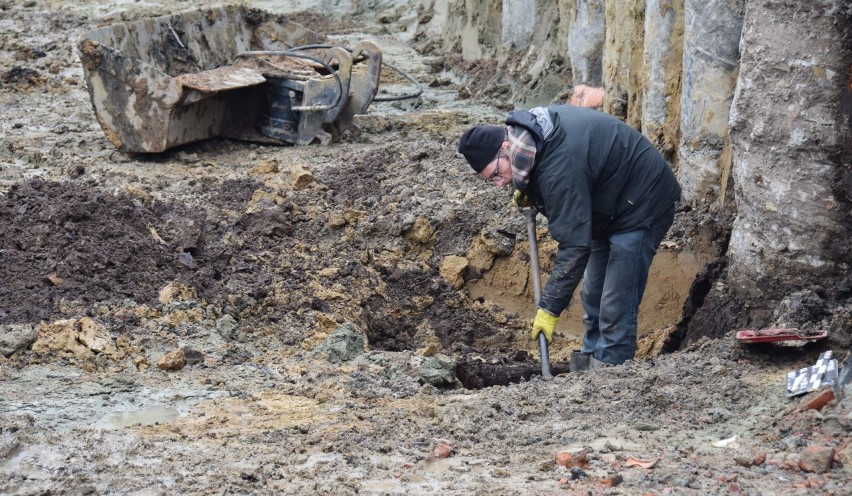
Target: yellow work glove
[
  {"x": 520, "y": 200},
  {"x": 544, "y": 322}
]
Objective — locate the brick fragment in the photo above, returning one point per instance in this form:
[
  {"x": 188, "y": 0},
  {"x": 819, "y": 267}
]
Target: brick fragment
[
  {"x": 570, "y": 459},
  {"x": 816, "y": 401},
  {"x": 442, "y": 450},
  {"x": 613, "y": 480},
  {"x": 734, "y": 488}
]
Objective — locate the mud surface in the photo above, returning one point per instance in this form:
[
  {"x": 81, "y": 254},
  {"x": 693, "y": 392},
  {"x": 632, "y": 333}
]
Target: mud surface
[{"x": 229, "y": 317}]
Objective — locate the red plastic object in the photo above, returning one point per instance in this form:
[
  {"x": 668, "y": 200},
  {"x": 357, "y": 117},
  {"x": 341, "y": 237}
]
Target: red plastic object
[{"x": 772, "y": 335}]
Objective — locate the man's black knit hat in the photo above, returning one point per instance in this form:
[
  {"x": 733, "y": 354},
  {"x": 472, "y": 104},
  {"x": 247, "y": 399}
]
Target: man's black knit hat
[{"x": 480, "y": 145}]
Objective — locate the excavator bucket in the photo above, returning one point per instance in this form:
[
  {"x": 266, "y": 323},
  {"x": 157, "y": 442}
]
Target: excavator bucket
[
  {"x": 363, "y": 86},
  {"x": 229, "y": 72}
]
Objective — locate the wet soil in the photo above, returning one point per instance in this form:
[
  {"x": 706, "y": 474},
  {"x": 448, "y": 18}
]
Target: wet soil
[{"x": 242, "y": 318}]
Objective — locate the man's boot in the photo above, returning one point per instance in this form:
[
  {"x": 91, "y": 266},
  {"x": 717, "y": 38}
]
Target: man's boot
[{"x": 579, "y": 361}]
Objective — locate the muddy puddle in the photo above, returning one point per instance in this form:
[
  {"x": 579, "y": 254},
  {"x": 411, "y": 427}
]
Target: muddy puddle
[
  {"x": 427, "y": 477},
  {"x": 33, "y": 462},
  {"x": 155, "y": 414}
]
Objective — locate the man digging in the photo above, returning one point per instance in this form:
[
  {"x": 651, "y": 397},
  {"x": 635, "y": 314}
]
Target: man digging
[{"x": 609, "y": 199}]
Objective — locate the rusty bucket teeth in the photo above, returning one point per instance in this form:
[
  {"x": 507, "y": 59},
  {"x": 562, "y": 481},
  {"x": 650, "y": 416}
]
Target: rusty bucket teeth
[{"x": 162, "y": 82}]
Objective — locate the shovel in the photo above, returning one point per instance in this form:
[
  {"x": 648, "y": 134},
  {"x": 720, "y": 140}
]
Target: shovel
[{"x": 536, "y": 280}]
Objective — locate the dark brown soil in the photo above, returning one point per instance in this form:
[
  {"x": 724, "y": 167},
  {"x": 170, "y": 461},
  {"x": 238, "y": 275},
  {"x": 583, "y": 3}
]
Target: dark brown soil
[
  {"x": 475, "y": 373},
  {"x": 76, "y": 243},
  {"x": 68, "y": 246},
  {"x": 68, "y": 242}
]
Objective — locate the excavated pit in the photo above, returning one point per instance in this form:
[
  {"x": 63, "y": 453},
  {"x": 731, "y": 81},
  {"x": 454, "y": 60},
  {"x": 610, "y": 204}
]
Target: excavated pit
[
  {"x": 669, "y": 281},
  {"x": 96, "y": 247},
  {"x": 104, "y": 248},
  {"x": 99, "y": 247}
]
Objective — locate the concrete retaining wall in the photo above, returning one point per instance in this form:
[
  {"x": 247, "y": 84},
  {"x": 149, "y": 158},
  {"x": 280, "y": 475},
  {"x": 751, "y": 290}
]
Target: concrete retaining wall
[
  {"x": 710, "y": 66},
  {"x": 585, "y": 42},
  {"x": 792, "y": 144},
  {"x": 663, "y": 59}
]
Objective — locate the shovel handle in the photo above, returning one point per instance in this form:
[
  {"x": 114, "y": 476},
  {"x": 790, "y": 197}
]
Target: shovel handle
[
  {"x": 534, "y": 268},
  {"x": 536, "y": 280}
]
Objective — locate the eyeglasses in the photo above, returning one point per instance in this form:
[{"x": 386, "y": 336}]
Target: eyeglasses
[{"x": 496, "y": 173}]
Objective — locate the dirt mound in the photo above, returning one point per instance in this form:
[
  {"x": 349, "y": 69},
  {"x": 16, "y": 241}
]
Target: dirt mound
[
  {"x": 66, "y": 246},
  {"x": 75, "y": 243}
]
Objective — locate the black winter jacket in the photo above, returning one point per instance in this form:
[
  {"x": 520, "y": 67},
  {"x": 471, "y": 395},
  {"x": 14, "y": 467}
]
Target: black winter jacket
[{"x": 593, "y": 177}]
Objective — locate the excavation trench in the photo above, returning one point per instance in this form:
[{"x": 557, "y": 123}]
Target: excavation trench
[
  {"x": 507, "y": 285},
  {"x": 486, "y": 330},
  {"x": 485, "y": 352},
  {"x": 111, "y": 249}
]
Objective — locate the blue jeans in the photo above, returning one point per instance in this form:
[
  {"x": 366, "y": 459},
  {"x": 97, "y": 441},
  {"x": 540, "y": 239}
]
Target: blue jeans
[{"x": 613, "y": 285}]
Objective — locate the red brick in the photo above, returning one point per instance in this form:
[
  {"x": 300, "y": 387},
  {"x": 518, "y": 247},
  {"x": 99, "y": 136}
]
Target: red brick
[
  {"x": 637, "y": 462},
  {"x": 570, "y": 459},
  {"x": 811, "y": 482},
  {"x": 816, "y": 401},
  {"x": 443, "y": 450}
]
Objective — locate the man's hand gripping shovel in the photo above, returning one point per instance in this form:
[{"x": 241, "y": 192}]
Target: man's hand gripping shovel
[{"x": 530, "y": 214}]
